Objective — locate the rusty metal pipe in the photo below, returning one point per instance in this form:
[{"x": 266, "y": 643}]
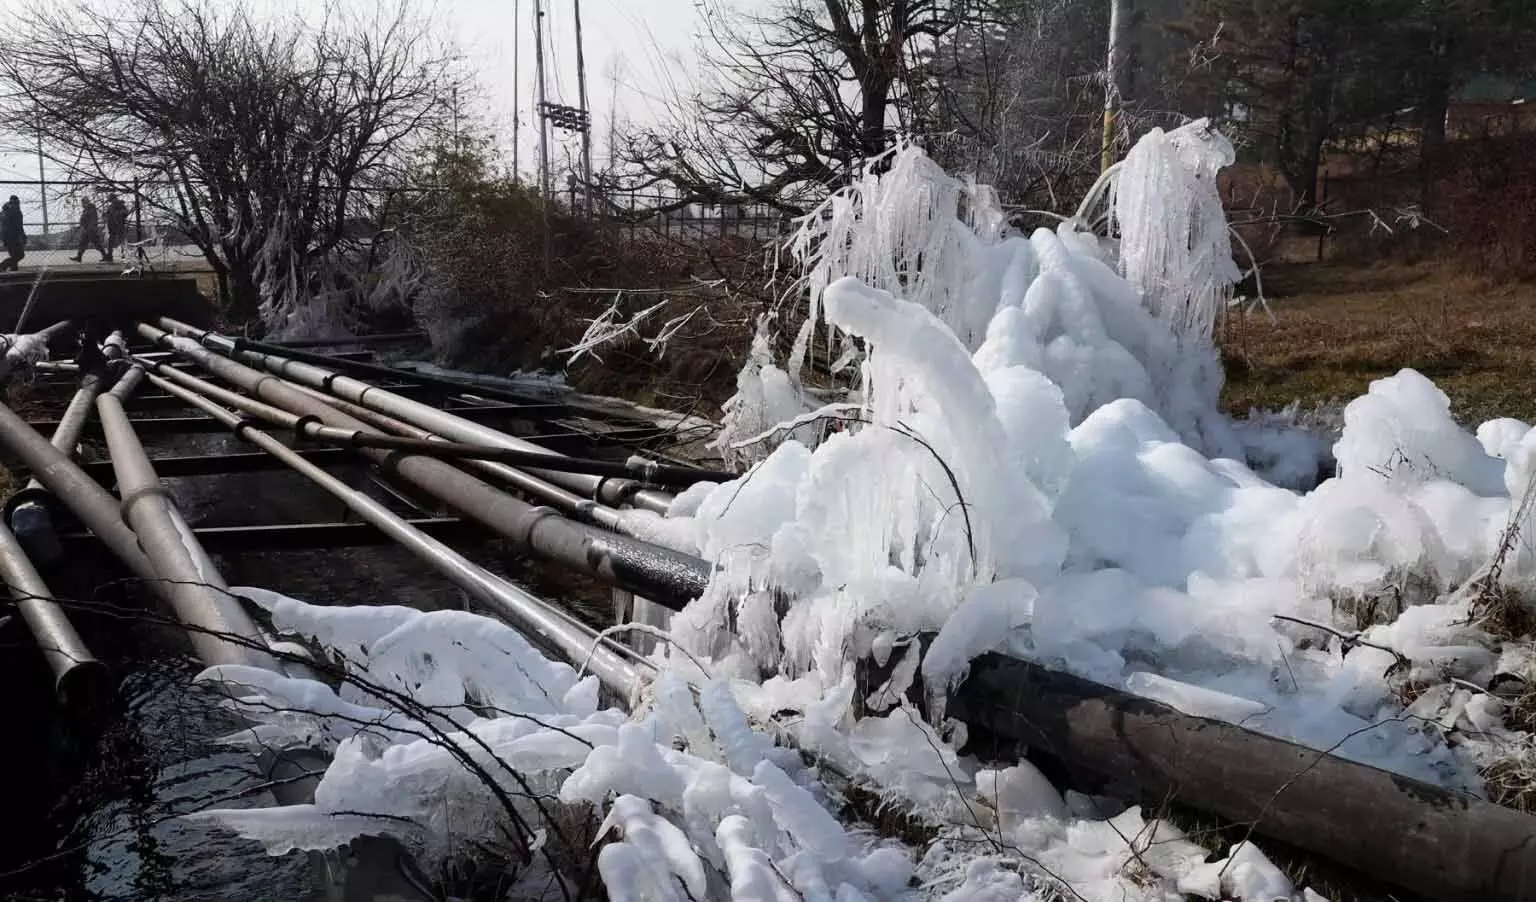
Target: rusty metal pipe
[
  {"x": 614, "y": 492},
  {"x": 562, "y": 499},
  {"x": 572, "y": 640},
  {"x": 669, "y": 578}
]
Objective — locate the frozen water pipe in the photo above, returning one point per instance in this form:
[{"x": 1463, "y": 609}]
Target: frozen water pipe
[
  {"x": 23, "y": 349},
  {"x": 517, "y": 607},
  {"x": 222, "y": 633},
  {"x": 657, "y": 573},
  {"x": 613, "y": 492},
  {"x": 79, "y": 678}
]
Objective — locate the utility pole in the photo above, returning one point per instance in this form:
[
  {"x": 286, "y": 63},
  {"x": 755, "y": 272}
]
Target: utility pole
[
  {"x": 1115, "y": 81},
  {"x": 42, "y": 184},
  {"x": 615, "y": 70},
  {"x": 517, "y": 94},
  {"x": 586, "y": 115},
  {"x": 538, "y": 53}
]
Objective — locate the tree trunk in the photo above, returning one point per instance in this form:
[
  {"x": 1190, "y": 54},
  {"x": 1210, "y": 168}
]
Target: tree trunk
[
  {"x": 1433, "y": 109},
  {"x": 1300, "y": 169},
  {"x": 875, "y": 90},
  {"x": 243, "y": 303}
]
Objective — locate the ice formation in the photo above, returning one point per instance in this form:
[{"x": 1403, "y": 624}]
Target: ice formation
[
  {"x": 1036, "y": 464},
  {"x": 1040, "y": 466}
]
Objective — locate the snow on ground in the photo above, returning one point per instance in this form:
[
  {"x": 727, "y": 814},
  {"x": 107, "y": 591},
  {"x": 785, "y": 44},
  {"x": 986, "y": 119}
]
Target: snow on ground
[{"x": 1036, "y": 464}]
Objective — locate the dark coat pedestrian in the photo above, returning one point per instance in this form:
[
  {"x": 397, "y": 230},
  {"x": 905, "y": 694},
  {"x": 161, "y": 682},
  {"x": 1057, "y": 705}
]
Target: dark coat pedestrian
[
  {"x": 117, "y": 224},
  {"x": 12, "y": 234},
  {"x": 90, "y": 232}
]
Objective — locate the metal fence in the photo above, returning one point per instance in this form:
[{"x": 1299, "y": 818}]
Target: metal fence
[
  {"x": 626, "y": 213},
  {"x": 51, "y": 216}
]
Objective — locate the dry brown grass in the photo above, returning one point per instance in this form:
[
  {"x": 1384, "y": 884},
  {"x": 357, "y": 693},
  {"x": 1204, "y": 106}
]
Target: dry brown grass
[
  {"x": 1340, "y": 326},
  {"x": 1511, "y": 783}
]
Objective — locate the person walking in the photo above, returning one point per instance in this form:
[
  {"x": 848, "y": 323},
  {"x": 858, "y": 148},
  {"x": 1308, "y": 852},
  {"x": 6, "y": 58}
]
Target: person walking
[
  {"x": 12, "y": 234},
  {"x": 117, "y": 224},
  {"x": 90, "y": 232}
]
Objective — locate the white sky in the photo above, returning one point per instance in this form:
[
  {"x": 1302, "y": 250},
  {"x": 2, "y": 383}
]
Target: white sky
[{"x": 637, "y": 52}]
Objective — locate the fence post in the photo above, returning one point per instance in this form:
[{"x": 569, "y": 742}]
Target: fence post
[{"x": 1322, "y": 235}]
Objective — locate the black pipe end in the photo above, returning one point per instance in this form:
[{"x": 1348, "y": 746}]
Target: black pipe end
[
  {"x": 32, "y": 522},
  {"x": 86, "y": 692}
]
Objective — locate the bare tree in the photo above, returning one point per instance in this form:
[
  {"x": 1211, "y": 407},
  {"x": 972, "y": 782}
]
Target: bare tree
[
  {"x": 1017, "y": 98},
  {"x": 268, "y": 131},
  {"x": 794, "y": 99}
]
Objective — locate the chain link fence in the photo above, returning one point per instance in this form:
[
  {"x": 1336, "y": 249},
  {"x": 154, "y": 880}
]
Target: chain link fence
[
  {"x": 626, "y": 213},
  {"x": 51, "y": 212},
  {"x": 51, "y": 217}
]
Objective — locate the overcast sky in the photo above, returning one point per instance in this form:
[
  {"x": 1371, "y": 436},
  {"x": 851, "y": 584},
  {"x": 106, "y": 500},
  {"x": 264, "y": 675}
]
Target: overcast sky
[{"x": 637, "y": 52}]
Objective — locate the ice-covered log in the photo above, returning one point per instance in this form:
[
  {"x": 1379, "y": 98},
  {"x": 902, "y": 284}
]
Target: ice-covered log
[{"x": 1435, "y": 843}]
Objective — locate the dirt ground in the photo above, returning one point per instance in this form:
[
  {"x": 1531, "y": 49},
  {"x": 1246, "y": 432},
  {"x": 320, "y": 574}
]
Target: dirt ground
[{"x": 1337, "y": 327}]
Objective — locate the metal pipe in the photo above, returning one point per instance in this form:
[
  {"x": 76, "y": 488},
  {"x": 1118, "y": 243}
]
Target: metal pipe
[
  {"x": 79, "y": 679},
  {"x": 19, "y": 347},
  {"x": 127, "y": 383},
  {"x": 614, "y": 492},
  {"x": 220, "y": 630},
  {"x": 91, "y": 503},
  {"x": 372, "y": 370},
  {"x": 115, "y": 347},
  {"x": 380, "y": 338},
  {"x": 661, "y": 574},
  {"x": 563, "y": 500},
  {"x": 29, "y": 515},
  {"x": 274, "y": 415},
  {"x": 525, "y": 611},
  {"x": 657, "y": 473}
]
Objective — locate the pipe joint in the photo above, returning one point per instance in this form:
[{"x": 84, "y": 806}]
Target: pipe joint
[
  {"x": 531, "y": 518},
  {"x": 614, "y": 491},
  {"x": 132, "y": 498}
]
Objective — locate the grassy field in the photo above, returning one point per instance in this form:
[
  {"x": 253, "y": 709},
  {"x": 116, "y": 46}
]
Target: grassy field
[{"x": 1338, "y": 326}]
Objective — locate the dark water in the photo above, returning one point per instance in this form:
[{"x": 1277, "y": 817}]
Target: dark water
[{"x": 102, "y": 809}]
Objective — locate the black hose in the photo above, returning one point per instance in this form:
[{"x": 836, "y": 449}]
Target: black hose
[
  {"x": 379, "y": 371},
  {"x": 653, "y": 474}
]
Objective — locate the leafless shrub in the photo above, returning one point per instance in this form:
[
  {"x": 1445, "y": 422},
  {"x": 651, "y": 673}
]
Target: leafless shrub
[{"x": 265, "y": 130}]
